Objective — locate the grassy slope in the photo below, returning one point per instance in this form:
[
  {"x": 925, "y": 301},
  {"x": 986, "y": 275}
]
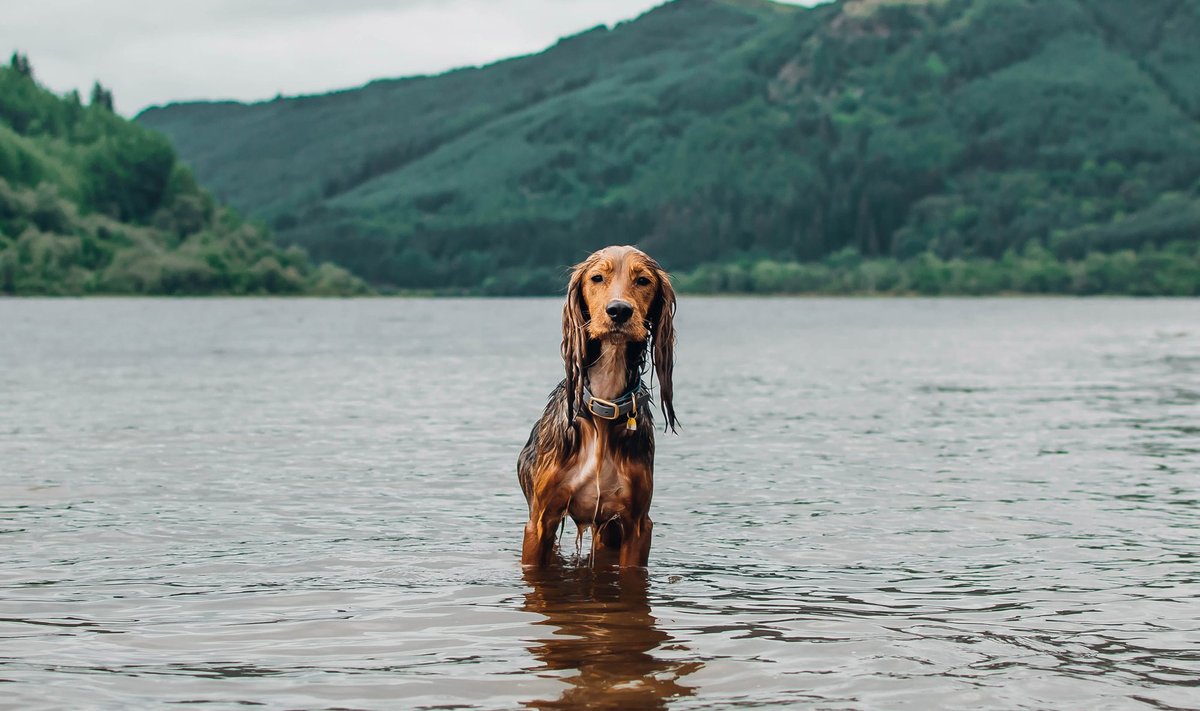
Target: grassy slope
[
  {"x": 92, "y": 203},
  {"x": 713, "y": 131}
]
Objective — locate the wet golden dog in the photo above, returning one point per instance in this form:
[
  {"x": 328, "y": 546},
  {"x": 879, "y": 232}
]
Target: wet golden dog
[{"x": 591, "y": 455}]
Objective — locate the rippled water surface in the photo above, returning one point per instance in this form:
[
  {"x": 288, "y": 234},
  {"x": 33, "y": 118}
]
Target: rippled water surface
[{"x": 872, "y": 504}]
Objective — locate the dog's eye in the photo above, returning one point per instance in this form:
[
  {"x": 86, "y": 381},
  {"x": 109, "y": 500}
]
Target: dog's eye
[
  {"x": 643, "y": 281},
  {"x": 597, "y": 278}
]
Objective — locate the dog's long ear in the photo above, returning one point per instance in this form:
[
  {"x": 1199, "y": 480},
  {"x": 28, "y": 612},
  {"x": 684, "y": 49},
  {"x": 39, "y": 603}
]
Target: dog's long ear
[
  {"x": 662, "y": 317},
  {"x": 574, "y": 338}
]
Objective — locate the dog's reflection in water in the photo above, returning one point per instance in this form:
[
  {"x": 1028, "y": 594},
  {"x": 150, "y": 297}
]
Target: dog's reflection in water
[{"x": 599, "y": 623}]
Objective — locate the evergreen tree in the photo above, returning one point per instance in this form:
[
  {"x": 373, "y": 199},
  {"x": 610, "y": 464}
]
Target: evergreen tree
[
  {"x": 102, "y": 97},
  {"x": 20, "y": 64}
]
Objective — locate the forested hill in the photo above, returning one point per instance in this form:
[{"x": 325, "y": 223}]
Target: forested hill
[
  {"x": 918, "y": 145},
  {"x": 93, "y": 203}
]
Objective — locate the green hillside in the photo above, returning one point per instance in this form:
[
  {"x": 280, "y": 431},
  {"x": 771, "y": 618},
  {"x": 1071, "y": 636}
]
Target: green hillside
[
  {"x": 93, "y": 203},
  {"x": 865, "y": 145}
]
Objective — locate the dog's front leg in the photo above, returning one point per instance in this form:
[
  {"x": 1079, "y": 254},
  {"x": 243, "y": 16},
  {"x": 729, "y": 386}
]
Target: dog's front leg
[
  {"x": 540, "y": 534},
  {"x": 635, "y": 545}
]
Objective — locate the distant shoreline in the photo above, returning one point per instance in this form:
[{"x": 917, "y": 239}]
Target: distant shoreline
[{"x": 1010, "y": 295}]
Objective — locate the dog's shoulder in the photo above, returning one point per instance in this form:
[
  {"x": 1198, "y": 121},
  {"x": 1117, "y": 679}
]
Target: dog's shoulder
[{"x": 556, "y": 430}]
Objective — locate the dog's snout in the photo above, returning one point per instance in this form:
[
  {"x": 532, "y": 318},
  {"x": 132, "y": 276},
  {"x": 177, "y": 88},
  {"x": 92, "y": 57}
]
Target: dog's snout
[{"x": 619, "y": 311}]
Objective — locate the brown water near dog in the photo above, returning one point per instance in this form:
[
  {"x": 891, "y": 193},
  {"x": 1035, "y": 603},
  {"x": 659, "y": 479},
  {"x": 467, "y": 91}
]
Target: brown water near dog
[{"x": 872, "y": 503}]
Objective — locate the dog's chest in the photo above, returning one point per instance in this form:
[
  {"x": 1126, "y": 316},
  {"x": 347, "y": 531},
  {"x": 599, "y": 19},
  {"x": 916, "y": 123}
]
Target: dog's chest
[{"x": 596, "y": 477}]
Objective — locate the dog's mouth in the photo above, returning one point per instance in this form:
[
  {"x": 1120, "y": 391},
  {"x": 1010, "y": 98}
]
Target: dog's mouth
[{"x": 620, "y": 332}]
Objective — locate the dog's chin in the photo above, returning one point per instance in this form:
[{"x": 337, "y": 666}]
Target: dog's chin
[{"x": 624, "y": 333}]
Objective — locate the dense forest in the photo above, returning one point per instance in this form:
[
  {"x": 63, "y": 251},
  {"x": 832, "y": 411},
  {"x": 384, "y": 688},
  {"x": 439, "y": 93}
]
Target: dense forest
[
  {"x": 91, "y": 203},
  {"x": 933, "y": 146}
]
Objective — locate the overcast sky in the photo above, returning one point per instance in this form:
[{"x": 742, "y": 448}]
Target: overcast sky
[{"x": 157, "y": 51}]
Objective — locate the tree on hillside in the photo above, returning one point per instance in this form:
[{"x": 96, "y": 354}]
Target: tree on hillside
[
  {"x": 20, "y": 64},
  {"x": 102, "y": 97}
]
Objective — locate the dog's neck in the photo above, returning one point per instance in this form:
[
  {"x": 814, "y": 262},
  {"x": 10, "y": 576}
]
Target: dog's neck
[{"x": 609, "y": 375}]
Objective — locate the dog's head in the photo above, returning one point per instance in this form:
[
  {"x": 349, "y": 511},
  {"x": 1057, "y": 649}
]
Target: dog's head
[{"x": 620, "y": 295}]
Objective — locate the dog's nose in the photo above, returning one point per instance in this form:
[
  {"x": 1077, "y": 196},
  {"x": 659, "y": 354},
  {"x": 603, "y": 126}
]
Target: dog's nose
[{"x": 619, "y": 311}]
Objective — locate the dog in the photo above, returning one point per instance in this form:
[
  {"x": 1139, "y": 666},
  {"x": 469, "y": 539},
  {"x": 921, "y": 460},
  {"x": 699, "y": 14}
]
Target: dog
[{"x": 591, "y": 455}]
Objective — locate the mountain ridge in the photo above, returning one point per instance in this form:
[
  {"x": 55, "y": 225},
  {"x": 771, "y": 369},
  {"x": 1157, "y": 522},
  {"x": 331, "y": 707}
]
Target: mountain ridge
[{"x": 715, "y": 130}]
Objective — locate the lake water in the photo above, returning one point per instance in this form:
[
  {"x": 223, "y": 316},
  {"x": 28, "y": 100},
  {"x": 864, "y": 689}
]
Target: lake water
[{"x": 872, "y": 504}]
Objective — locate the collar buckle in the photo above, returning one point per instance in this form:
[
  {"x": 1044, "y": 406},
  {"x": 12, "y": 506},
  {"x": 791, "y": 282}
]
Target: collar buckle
[{"x": 613, "y": 409}]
